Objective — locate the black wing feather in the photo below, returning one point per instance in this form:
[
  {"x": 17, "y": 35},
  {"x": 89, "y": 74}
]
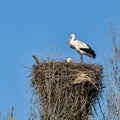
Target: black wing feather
[{"x": 89, "y": 51}]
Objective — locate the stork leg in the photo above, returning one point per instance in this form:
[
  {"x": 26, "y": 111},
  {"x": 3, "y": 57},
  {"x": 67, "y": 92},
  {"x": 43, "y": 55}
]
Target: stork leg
[{"x": 81, "y": 58}]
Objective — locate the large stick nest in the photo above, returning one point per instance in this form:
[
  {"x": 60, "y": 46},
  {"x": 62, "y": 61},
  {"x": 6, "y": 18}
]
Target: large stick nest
[{"x": 67, "y": 91}]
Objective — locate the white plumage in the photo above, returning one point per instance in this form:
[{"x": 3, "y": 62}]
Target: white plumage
[
  {"x": 81, "y": 47},
  {"x": 69, "y": 60}
]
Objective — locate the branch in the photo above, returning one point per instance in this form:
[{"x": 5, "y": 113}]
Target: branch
[{"x": 36, "y": 59}]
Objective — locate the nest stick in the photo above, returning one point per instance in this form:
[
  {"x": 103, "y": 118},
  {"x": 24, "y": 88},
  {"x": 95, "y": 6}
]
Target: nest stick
[{"x": 36, "y": 59}]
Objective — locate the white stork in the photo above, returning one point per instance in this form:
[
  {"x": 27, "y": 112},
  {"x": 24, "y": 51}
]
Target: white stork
[
  {"x": 81, "y": 47},
  {"x": 69, "y": 60}
]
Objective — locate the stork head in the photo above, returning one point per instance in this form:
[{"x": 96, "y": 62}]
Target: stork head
[
  {"x": 69, "y": 60},
  {"x": 72, "y": 37}
]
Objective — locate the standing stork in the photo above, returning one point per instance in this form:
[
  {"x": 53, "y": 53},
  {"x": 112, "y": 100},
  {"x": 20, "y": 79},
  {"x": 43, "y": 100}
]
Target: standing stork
[{"x": 81, "y": 47}]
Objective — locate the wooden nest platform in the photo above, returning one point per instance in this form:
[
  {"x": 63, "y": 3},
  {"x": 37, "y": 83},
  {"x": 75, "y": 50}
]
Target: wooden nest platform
[{"x": 67, "y": 91}]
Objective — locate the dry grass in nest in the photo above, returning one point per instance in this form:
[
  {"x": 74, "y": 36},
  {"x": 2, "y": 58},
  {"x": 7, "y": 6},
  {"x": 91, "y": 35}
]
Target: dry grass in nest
[{"x": 67, "y": 91}]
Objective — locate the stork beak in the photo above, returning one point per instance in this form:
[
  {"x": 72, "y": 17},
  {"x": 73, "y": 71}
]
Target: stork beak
[{"x": 68, "y": 40}]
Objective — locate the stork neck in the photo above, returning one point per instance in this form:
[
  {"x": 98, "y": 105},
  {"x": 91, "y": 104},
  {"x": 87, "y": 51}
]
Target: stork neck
[{"x": 72, "y": 39}]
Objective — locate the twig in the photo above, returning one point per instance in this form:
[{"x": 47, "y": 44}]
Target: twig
[{"x": 36, "y": 59}]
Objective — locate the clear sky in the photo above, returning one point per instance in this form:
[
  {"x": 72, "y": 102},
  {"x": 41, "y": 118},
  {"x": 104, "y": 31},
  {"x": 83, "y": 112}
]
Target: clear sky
[{"x": 28, "y": 27}]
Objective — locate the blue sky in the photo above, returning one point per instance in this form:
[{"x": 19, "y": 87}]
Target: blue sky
[{"x": 28, "y": 27}]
